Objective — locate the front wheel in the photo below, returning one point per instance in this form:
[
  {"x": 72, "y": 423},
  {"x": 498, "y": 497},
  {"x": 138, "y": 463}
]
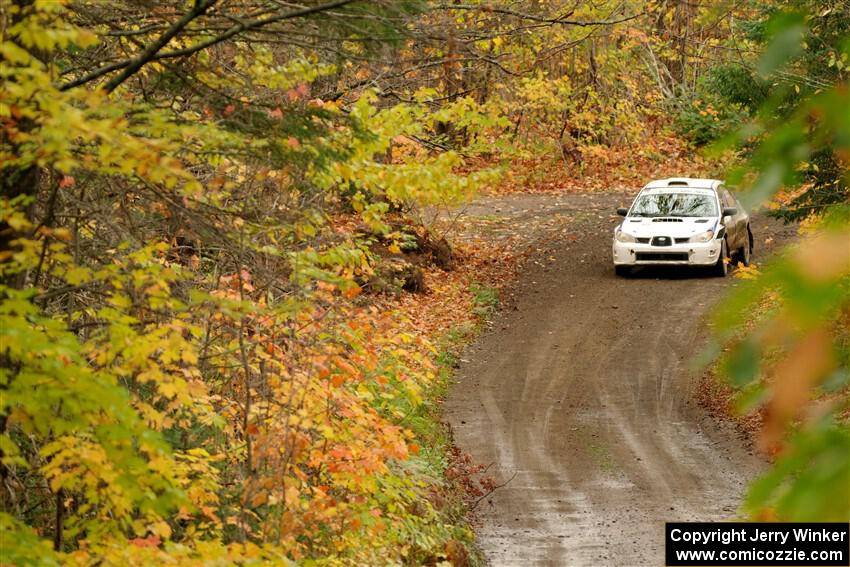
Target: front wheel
[
  {"x": 623, "y": 271},
  {"x": 721, "y": 268}
]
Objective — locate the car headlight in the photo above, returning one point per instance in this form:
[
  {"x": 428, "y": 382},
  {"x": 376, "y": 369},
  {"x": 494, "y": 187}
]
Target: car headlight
[
  {"x": 624, "y": 237},
  {"x": 702, "y": 236}
]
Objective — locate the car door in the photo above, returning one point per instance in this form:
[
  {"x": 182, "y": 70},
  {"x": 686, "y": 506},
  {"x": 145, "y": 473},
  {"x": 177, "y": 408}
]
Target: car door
[
  {"x": 743, "y": 223},
  {"x": 732, "y": 223},
  {"x": 742, "y": 214}
]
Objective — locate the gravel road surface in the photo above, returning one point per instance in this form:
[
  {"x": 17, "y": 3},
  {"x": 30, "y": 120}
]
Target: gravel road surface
[{"x": 580, "y": 395}]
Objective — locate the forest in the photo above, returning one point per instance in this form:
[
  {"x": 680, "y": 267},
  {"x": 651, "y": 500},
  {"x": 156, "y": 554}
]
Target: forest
[{"x": 225, "y": 284}]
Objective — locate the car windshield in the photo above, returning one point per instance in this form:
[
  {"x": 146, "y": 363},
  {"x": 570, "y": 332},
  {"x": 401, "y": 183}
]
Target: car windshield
[{"x": 674, "y": 205}]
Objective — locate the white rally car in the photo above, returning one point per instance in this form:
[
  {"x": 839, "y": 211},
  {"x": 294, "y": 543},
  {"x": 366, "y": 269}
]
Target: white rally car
[{"x": 683, "y": 221}]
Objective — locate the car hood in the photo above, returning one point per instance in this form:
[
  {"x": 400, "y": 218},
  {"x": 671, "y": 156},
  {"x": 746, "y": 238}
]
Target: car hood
[{"x": 676, "y": 227}]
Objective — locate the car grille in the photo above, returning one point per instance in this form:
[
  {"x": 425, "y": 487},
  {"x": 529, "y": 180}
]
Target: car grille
[
  {"x": 662, "y": 241},
  {"x": 681, "y": 240},
  {"x": 661, "y": 256},
  {"x": 667, "y": 219},
  {"x": 643, "y": 240}
]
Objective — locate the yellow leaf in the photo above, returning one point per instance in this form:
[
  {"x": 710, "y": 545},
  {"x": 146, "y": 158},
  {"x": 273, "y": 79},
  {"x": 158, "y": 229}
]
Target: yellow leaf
[
  {"x": 189, "y": 356},
  {"x": 162, "y": 529},
  {"x": 77, "y": 275}
]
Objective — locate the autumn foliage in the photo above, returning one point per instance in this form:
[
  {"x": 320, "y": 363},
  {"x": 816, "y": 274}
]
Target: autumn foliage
[{"x": 190, "y": 372}]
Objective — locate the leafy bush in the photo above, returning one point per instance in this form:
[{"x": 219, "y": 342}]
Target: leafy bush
[
  {"x": 704, "y": 120},
  {"x": 188, "y": 373},
  {"x": 792, "y": 362},
  {"x": 736, "y": 85}
]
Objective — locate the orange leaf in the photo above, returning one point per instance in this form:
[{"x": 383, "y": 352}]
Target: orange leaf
[
  {"x": 808, "y": 362},
  {"x": 352, "y": 292},
  {"x": 259, "y": 499},
  {"x": 150, "y": 541}
]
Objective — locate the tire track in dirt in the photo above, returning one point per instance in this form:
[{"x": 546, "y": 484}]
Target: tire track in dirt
[{"x": 580, "y": 396}]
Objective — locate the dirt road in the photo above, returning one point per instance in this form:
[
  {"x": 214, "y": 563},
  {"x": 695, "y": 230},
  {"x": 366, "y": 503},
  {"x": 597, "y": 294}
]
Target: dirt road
[{"x": 580, "y": 397}]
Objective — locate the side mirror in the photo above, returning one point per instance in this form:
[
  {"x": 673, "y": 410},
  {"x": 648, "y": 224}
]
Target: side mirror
[
  {"x": 622, "y": 211},
  {"x": 730, "y": 212}
]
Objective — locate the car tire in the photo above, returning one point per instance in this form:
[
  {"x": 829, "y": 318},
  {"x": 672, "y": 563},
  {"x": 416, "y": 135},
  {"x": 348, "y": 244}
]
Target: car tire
[
  {"x": 742, "y": 254},
  {"x": 721, "y": 268},
  {"x": 623, "y": 271}
]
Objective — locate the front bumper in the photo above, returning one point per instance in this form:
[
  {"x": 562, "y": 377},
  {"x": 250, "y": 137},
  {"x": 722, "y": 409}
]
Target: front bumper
[{"x": 687, "y": 254}]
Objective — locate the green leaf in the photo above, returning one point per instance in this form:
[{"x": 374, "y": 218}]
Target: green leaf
[
  {"x": 787, "y": 32},
  {"x": 742, "y": 365}
]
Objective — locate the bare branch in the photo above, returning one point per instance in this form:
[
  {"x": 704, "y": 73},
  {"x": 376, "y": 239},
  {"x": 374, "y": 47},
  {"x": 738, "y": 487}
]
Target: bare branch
[
  {"x": 561, "y": 20},
  {"x": 131, "y": 66}
]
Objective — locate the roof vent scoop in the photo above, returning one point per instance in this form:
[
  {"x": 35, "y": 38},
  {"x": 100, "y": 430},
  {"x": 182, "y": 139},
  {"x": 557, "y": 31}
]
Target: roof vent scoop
[{"x": 674, "y": 183}]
